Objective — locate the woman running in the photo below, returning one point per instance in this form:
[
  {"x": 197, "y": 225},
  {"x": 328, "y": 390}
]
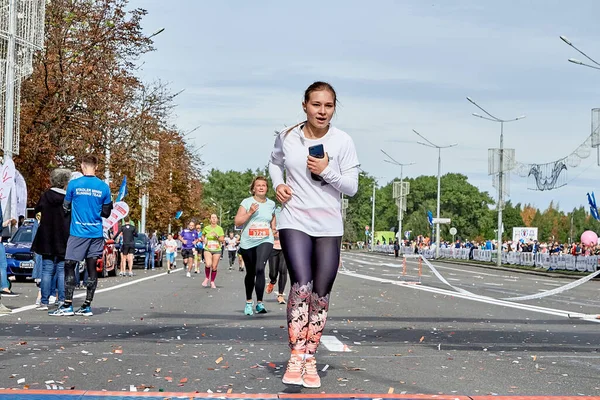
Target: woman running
[
  {"x": 257, "y": 215},
  {"x": 320, "y": 162},
  {"x": 213, "y": 237},
  {"x": 277, "y": 268}
]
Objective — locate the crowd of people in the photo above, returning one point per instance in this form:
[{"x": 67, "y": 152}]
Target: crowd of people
[
  {"x": 517, "y": 246},
  {"x": 311, "y": 165}
]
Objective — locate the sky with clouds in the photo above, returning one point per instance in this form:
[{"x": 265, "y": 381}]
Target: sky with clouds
[{"x": 396, "y": 66}]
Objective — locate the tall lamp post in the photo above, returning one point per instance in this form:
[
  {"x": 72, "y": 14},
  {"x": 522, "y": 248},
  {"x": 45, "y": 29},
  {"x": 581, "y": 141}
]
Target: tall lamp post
[
  {"x": 217, "y": 204},
  {"x": 402, "y": 194},
  {"x": 500, "y": 205},
  {"x": 576, "y": 61},
  {"x": 439, "y": 174}
]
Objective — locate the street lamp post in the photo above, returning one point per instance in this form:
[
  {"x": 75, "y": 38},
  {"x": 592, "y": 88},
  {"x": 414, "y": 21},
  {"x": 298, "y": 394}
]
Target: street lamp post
[
  {"x": 500, "y": 205},
  {"x": 439, "y": 174},
  {"x": 576, "y": 61},
  {"x": 373, "y": 217},
  {"x": 402, "y": 195},
  {"x": 217, "y": 204}
]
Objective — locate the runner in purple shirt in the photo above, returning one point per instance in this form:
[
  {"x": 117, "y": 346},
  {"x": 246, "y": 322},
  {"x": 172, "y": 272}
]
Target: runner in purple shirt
[{"x": 188, "y": 238}]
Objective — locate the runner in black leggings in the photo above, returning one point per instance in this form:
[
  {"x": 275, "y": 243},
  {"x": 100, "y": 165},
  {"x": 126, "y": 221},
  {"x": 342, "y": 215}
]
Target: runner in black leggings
[
  {"x": 277, "y": 269},
  {"x": 320, "y": 163},
  {"x": 256, "y": 214}
]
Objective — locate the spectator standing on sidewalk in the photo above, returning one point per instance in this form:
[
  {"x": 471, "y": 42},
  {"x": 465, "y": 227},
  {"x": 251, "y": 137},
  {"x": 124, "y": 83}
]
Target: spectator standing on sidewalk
[
  {"x": 50, "y": 241},
  {"x": 88, "y": 200}
]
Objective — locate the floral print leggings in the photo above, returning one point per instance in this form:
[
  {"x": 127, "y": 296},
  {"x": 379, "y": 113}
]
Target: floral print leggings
[{"x": 312, "y": 264}]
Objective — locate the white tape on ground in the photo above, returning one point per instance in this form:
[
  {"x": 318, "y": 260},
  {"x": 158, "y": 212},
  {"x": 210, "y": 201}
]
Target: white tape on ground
[
  {"x": 122, "y": 285},
  {"x": 469, "y": 296},
  {"x": 332, "y": 343},
  {"x": 538, "y": 295}
]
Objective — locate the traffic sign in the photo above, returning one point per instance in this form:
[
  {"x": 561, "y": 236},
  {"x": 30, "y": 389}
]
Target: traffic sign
[
  {"x": 453, "y": 231},
  {"x": 441, "y": 220}
]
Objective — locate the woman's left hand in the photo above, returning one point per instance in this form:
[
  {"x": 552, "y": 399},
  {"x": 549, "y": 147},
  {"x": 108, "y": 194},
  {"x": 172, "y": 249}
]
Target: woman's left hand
[{"x": 317, "y": 165}]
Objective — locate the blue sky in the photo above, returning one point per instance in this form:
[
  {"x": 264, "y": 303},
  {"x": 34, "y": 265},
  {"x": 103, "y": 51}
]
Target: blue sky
[{"x": 397, "y": 66}]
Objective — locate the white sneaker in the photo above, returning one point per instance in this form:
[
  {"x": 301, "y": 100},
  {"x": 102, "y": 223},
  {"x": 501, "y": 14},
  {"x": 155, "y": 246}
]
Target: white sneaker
[
  {"x": 51, "y": 299},
  {"x": 188, "y": 274}
]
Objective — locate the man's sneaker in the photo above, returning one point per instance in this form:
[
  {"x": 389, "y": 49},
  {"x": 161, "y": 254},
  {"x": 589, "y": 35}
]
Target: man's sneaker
[
  {"x": 121, "y": 274},
  {"x": 42, "y": 307},
  {"x": 131, "y": 275},
  {"x": 293, "y": 372},
  {"x": 52, "y": 299},
  {"x": 4, "y": 309},
  {"x": 85, "y": 311},
  {"x": 62, "y": 311},
  {"x": 168, "y": 270},
  {"x": 280, "y": 299},
  {"x": 260, "y": 308},
  {"x": 188, "y": 274},
  {"x": 270, "y": 287},
  {"x": 311, "y": 378},
  {"x": 212, "y": 285},
  {"x": 205, "y": 282},
  {"x": 8, "y": 293},
  {"x": 248, "y": 309}
]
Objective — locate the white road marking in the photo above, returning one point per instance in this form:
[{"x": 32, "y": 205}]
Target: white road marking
[
  {"x": 332, "y": 343},
  {"x": 122, "y": 285}
]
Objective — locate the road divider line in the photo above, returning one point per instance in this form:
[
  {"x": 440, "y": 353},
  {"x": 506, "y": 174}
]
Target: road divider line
[{"x": 79, "y": 295}]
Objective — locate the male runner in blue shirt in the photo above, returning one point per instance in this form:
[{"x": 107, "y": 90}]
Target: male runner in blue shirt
[{"x": 88, "y": 200}]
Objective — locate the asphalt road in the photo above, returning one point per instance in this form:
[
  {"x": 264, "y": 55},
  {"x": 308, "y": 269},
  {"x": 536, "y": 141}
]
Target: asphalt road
[{"x": 157, "y": 331}]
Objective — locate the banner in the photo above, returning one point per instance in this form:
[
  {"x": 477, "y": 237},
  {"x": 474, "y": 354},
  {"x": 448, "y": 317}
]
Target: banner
[
  {"x": 525, "y": 233},
  {"x": 7, "y": 185},
  {"x": 122, "y": 189},
  {"x": 119, "y": 211}
]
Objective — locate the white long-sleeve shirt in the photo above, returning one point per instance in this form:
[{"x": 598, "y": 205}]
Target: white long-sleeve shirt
[{"x": 315, "y": 206}]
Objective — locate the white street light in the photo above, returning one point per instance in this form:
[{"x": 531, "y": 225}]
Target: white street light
[
  {"x": 439, "y": 148},
  {"x": 217, "y": 204},
  {"x": 400, "y": 208},
  {"x": 576, "y": 61},
  {"x": 492, "y": 118}
]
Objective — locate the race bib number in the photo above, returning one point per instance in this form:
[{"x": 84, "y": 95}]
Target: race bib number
[
  {"x": 259, "y": 231},
  {"x": 212, "y": 245}
]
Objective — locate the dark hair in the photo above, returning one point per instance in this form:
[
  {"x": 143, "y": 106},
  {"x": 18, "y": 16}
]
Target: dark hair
[
  {"x": 90, "y": 159},
  {"x": 258, "y": 178},
  {"x": 317, "y": 86}
]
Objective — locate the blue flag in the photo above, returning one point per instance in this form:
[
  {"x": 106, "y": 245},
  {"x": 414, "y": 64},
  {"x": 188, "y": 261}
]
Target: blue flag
[
  {"x": 430, "y": 218},
  {"x": 178, "y": 214},
  {"x": 122, "y": 189},
  {"x": 593, "y": 208}
]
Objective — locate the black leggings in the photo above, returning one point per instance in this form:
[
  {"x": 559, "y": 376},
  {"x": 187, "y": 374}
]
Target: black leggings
[
  {"x": 255, "y": 259},
  {"x": 91, "y": 283},
  {"x": 232, "y": 254},
  {"x": 311, "y": 259},
  {"x": 278, "y": 268}
]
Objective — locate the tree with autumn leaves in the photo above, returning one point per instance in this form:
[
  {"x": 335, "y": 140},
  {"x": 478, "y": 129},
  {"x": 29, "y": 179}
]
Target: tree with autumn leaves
[{"x": 84, "y": 97}]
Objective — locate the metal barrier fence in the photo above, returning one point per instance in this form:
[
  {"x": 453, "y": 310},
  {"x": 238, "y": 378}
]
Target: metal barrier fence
[{"x": 539, "y": 260}]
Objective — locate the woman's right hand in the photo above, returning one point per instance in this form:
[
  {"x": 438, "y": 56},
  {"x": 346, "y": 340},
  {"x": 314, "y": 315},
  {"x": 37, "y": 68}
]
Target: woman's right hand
[{"x": 284, "y": 193}]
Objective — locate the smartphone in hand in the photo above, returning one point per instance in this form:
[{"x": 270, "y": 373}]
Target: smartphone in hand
[{"x": 316, "y": 151}]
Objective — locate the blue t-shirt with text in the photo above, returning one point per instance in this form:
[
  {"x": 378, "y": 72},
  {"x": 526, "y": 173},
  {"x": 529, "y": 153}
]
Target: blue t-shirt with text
[{"x": 87, "y": 195}]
